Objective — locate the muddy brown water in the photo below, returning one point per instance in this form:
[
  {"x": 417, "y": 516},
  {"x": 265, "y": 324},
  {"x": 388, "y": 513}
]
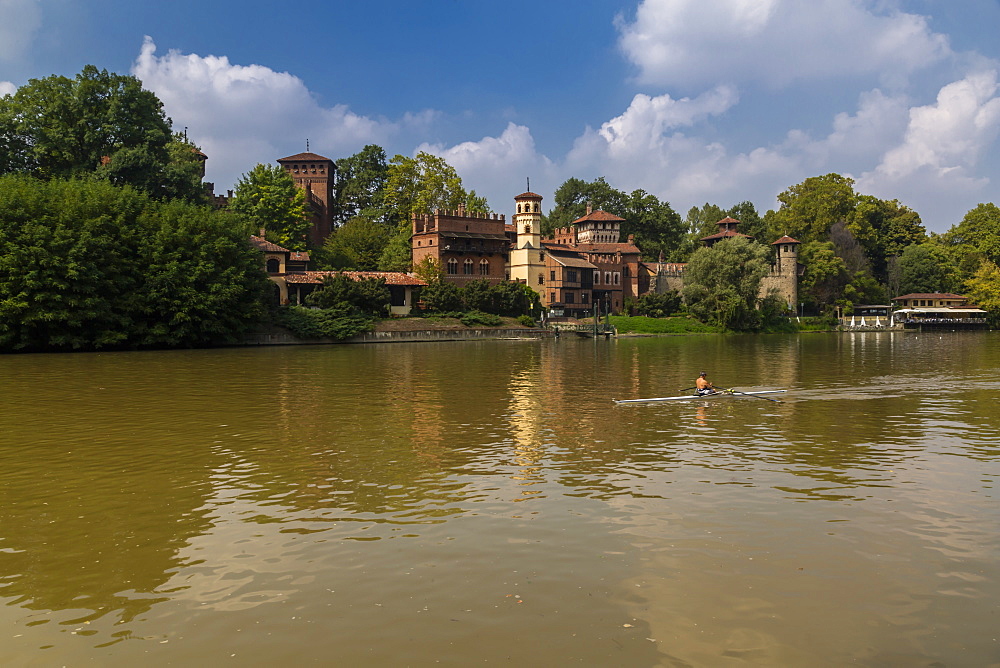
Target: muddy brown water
[{"x": 485, "y": 502}]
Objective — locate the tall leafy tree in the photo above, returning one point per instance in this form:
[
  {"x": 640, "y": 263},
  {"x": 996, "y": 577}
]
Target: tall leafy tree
[
  {"x": 809, "y": 209},
  {"x": 722, "y": 283},
  {"x": 360, "y": 186},
  {"x": 979, "y": 231},
  {"x": 884, "y": 228},
  {"x": 61, "y": 127},
  {"x": 88, "y": 265},
  {"x": 357, "y": 244},
  {"x": 825, "y": 276},
  {"x": 657, "y": 228},
  {"x": 574, "y": 196},
  {"x": 425, "y": 183},
  {"x": 983, "y": 289},
  {"x": 926, "y": 268},
  {"x": 266, "y": 198}
]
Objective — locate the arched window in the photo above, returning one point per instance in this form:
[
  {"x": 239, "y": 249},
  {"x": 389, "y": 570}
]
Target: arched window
[
  {"x": 484, "y": 267},
  {"x": 597, "y": 277},
  {"x": 273, "y": 266},
  {"x": 519, "y": 208},
  {"x": 452, "y": 266},
  {"x": 536, "y": 207},
  {"x": 467, "y": 267}
]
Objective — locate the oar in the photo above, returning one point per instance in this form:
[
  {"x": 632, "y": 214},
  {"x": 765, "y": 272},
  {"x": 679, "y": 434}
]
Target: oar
[
  {"x": 755, "y": 396},
  {"x": 686, "y": 389}
]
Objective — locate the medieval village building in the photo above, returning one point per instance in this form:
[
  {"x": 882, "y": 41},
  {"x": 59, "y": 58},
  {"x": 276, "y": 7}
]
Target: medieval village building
[{"x": 576, "y": 270}]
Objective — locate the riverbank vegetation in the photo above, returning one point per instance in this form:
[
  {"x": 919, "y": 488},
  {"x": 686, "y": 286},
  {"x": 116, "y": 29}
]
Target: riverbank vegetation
[{"x": 107, "y": 238}]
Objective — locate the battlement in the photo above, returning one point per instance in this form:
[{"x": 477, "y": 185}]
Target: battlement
[{"x": 453, "y": 220}]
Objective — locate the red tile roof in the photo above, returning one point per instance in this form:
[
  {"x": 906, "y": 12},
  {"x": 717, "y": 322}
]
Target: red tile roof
[
  {"x": 267, "y": 246},
  {"x": 302, "y": 157},
  {"x": 391, "y": 277},
  {"x": 598, "y": 215},
  {"x": 726, "y": 234},
  {"x": 299, "y": 256},
  {"x": 528, "y": 195},
  {"x": 785, "y": 240}
]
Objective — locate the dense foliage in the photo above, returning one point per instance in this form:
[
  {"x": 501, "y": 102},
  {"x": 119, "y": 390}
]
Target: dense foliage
[
  {"x": 647, "y": 325},
  {"x": 98, "y": 125},
  {"x": 266, "y": 198},
  {"x": 722, "y": 283},
  {"x": 86, "y": 265},
  {"x": 368, "y": 296},
  {"x": 655, "y": 305}
]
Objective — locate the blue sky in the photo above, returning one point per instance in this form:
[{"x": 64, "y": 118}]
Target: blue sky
[{"x": 692, "y": 100}]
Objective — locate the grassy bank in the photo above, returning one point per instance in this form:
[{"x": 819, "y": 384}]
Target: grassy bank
[{"x": 677, "y": 325}]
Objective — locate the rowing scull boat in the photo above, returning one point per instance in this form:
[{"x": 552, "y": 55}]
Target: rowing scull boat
[{"x": 695, "y": 396}]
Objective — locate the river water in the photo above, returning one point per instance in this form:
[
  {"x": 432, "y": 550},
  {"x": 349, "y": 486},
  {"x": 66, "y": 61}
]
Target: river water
[{"x": 486, "y": 502}]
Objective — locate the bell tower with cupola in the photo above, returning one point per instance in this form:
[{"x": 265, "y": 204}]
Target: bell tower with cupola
[{"x": 527, "y": 260}]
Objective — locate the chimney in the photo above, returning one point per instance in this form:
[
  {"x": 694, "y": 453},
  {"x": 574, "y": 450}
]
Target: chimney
[{"x": 590, "y": 208}]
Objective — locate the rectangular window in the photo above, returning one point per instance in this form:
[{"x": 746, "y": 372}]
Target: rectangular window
[
  {"x": 552, "y": 298},
  {"x": 569, "y": 298},
  {"x": 607, "y": 278},
  {"x": 541, "y": 279},
  {"x": 552, "y": 275},
  {"x": 571, "y": 275},
  {"x": 584, "y": 298}
]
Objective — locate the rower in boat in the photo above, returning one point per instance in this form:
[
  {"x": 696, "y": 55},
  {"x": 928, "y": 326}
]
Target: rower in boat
[{"x": 703, "y": 385}]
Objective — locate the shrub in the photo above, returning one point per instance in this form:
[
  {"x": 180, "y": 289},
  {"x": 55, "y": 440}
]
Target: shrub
[
  {"x": 333, "y": 323},
  {"x": 478, "y": 318},
  {"x": 526, "y": 320}
]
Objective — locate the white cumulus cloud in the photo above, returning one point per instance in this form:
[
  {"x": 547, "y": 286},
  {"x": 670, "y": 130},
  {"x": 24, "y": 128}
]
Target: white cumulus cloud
[
  {"x": 933, "y": 166},
  {"x": 776, "y": 42},
  {"x": 7, "y": 88},
  {"x": 497, "y": 166},
  {"x": 244, "y": 114}
]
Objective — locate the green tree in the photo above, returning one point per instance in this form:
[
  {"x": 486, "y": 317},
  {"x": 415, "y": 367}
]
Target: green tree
[
  {"x": 357, "y": 244},
  {"x": 88, "y": 265},
  {"x": 809, "y": 209},
  {"x": 573, "y": 197},
  {"x": 360, "y": 186},
  {"x": 429, "y": 270},
  {"x": 61, "y": 127},
  {"x": 266, "y": 198},
  {"x": 884, "y": 228},
  {"x": 825, "y": 275},
  {"x": 657, "y": 228},
  {"x": 722, "y": 283},
  {"x": 925, "y": 268},
  {"x": 751, "y": 222},
  {"x": 368, "y": 296},
  {"x": 202, "y": 282},
  {"x": 983, "y": 289},
  {"x": 979, "y": 231},
  {"x": 441, "y": 297},
  {"x": 425, "y": 183}
]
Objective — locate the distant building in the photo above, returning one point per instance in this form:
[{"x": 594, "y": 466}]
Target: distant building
[
  {"x": 289, "y": 271},
  {"x": 316, "y": 175},
  {"x": 467, "y": 246},
  {"x": 782, "y": 278}
]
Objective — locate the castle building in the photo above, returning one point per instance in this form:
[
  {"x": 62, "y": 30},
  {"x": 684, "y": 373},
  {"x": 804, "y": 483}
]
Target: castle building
[
  {"x": 467, "y": 247},
  {"x": 782, "y": 278},
  {"x": 315, "y": 175}
]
